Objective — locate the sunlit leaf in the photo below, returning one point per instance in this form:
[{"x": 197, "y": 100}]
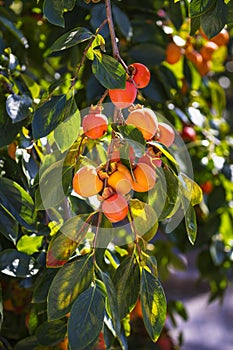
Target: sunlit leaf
[
  {"x": 42, "y": 285},
  {"x": 145, "y": 220},
  {"x": 190, "y": 189},
  {"x": 29, "y": 244},
  {"x": 53, "y": 11},
  {"x": 86, "y": 319},
  {"x": 153, "y": 302},
  {"x": 60, "y": 250},
  {"x": 71, "y": 280},
  {"x": 190, "y": 223},
  {"x": 17, "y": 107}
]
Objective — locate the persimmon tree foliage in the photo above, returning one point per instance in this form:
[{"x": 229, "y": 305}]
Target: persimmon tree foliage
[{"x": 115, "y": 120}]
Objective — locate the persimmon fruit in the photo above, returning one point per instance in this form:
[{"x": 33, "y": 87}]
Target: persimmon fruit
[
  {"x": 208, "y": 49},
  {"x": 115, "y": 207},
  {"x": 173, "y": 53},
  {"x": 145, "y": 120},
  {"x": 121, "y": 180},
  {"x": 141, "y": 74},
  {"x": 123, "y": 98},
  {"x": 188, "y": 133},
  {"x": 144, "y": 178},
  {"x": 94, "y": 124},
  {"x": 166, "y": 134},
  {"x": 221, "y": 38},
  {"x": 86, "y": 181}
]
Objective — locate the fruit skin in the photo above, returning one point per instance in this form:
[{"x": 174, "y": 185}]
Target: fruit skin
[
  {"x": 208, "y": 49},
  {"x": 145, "y": 120},
  {"x": 207, "y": 187},
  {"x": 221, "y": 38},
  {"x": 123, "y": 98},
  {"x": 141, "y": 75},
  {"x": 120, "y": 180},
  {"x": 144, "y": 176},
  {"x": 86, "y": 181},
  {"x": 166, "y": 134},
  {"x": 115, "y": 207},
  {"x": 151, "y": 160},
  {"x": 94, "y": 125},
  {"x": 188, "y": 134},
  {"x": 173, "y": 53}
]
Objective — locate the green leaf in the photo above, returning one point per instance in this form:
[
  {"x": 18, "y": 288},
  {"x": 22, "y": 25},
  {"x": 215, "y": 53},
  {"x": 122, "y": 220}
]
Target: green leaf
[
  {"x": 112, "y": 306},
  {"x": 199, "y": 7},
  {"x": 86, "y": 319},
  {"x": 73, "y": 37},
  {"x": 77, "y": 227},
  {"x": 97, "y": 44},
  {"x": 53, "y": 11},
  {"x": 134, "y": 137},
  {"x": 48, "y": 116},
  {"x": 153, "y": 302},
  {"x": 109, "y": 72},
  {"x": 148, "y": 54},
  {"x": 70, "y": 281},
  {"x": 17, "y": 107},
  {"x": 195, "y": 25},
  {"x": 29, "y": 244},
  {"x": 1, "y": 307},
  {"x": 67, "y": 132},
  {"x": 14, "y": 31},
  {"x": 42, "y": 285},
  {"x": 29, "y": 343},
  {"x": 190, "y": 189},
  {"x": 122, "y": 22},
  {"x": 214, "y": 20},
  {"x": 127, "y": 283},
  {"x": 17, "y": 264},
  {"x": 8, "y": 225},
  {"x": 165, "y": 152},
  {"x": 51, "y": 333},
  {"x": 145, "y": 219},
  {"x": 60, "y": 250},
  {"x": 18, "y": 203},
  {"x": 190, "y": 223},
  {"x": 175, "y": 14}
]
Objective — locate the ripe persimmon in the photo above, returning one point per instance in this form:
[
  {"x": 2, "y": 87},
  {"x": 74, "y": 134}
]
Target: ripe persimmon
[
  {"x": 221, "y": 38},
  {"x": 141, "y": 74},
  {"x": 86, "y": 181},
  {"x": 173, "y": 53},
  {"x": 12, "y": 149},
  {"x": 145, "y": 120},
  {"x": 95, "y": 124},
  {"x": 144, "y": 178},
  {"x": 121, "y": 180},
  {"x": 115, "y": 207},
  {"x": 123, "y": 98},
  {"x": 208, "y": 49},
  {"x": 166, "y": 134}
]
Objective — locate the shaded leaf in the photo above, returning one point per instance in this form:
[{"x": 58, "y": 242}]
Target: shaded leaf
[
  {"x": 14, "y": 31},
  {"x": 122, "y": 21},
  {"x": 50, "y": 333},
  {"x": 73, "y": 37},
  {"x": 42, "y": 285},
  {"x": 134, "y": 137},
  {"x": 127, "y": 283},
  {"x": 67, "y": 132},
  {"x": 17, "y": 264},
  {"x": 148, "y": 54},
  {"x": 71, "y": 280},
  {"x": 18, "y": 203},
  {"x": 112, "y": 302},
  {"x": 53, "y": 11},
  {"x": 191, "y": 223},
  {"x": 8, "y": 225},
  {"x": 48, "y": 116},
  {"x": 29, "y": 343},
  {"x": 109, "y": 72},
  {"x": 214, "y": 20},
  {"x": 86, "y": 319},
  {"x": 17, "y": 107},
  {"x": 153, "y": 302},
  {"x": 197, "y": 7},
  {"x": 76, "y": 227}
]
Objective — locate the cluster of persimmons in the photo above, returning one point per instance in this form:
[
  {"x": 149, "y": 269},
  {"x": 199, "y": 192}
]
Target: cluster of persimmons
[
  {"x": 200, "y": 54},
  {"x": 113, "y": 181}
]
